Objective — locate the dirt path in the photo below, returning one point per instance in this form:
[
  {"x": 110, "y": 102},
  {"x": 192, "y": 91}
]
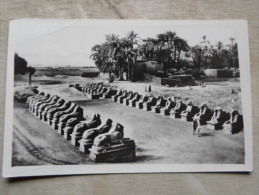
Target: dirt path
[
  {"x": 34, "y": 151},
  {"x": 36, "y": 143}
]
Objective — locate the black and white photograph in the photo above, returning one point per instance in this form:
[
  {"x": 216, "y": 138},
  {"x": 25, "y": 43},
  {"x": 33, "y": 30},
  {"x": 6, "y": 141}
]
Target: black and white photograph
[{"x": 127, "y": 96}]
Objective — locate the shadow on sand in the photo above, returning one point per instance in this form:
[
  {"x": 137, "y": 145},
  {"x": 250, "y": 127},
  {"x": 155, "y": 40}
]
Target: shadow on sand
[
  {"x": 144, "y": 158},
  {"x": 205, "y": 135}
]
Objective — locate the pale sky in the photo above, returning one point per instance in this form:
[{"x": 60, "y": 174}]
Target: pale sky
[{"x": 69, "y": 42}]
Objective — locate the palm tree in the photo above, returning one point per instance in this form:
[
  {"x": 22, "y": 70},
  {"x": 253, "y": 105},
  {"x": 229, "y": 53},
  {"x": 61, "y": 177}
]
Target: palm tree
[
  {"x": 218, "y": 51},
  {"x": 172, "y": 39},
  {"x": 196, "y": 54},
  {"x": 233, "y": 51},
  {"x": 181, "y": 45},
  {"x": 102, "y": 60},
  {"x": 127, "y": 56},
  {"x": 206, "y": 51},
  {"x": 99, "y": 55},
  {"x": 133, "y": 38}
]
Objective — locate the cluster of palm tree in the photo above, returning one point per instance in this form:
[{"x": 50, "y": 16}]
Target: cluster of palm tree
[
  {"x": 119, "y": 55},
  {"x": 205, "y": 55}
]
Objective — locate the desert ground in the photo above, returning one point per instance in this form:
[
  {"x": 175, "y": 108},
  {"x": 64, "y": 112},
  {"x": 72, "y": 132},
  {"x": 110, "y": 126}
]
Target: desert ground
[{"x": 159, "y": 139}]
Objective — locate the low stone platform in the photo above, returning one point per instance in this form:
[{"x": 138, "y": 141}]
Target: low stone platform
[
  {"x": 93, "y": 96},
  {"x": 175, "y": 115},
  {"x": 123, "y": 151},
  {"x": 214, "y": 126},
  {"x": 165, "y": 112},
  {"x": 187, "y": 118}
]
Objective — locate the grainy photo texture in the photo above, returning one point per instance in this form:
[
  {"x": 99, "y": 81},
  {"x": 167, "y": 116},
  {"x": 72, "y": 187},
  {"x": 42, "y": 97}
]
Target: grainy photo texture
[{"x": 113, "y": 96}]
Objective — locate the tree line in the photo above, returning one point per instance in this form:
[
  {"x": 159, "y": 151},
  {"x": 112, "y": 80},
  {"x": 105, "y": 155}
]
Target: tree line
[{"x": 119, "y": 55}]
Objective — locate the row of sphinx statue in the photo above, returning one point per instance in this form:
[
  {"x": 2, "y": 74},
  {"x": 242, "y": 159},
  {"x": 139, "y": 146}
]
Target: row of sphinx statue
[
  {"x": 88, "y": 133},
  {"x": 175, "y": 108}
]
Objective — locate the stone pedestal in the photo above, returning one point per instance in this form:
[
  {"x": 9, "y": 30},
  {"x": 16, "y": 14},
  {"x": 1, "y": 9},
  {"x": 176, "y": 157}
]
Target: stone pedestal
[
  {"x": 120, "y": 100},
  {"x": 146, "y": 107},
  {"x": 214, "y": 126},
  {"x": 132, "y": 104},
  {"x": 85, "y": 148},
  {"x": 49, "y": 121},
  {"x": 123, "y": 151},
  {"x": 155, "y": 110},
  {"x": 125, "y": 102},
  {"x": 74, "y": 141},
  {"x": 105, "y": 96},
  {"x": 54, "y": 125},
  {"x": 44, "y": 118},
  {"x": 175, "y": 115},
  {"x": 61, "y": 127},
  {"x": 165, "y": 112},
  {"x": 187, "y": 118},
  {"x": 67, "y": 136},
  {"x": 67, "y": 132},
  {"x": 114, "y": 98},
  {"x": 93, "y": 96},
  {"x": 139, "y": 105}
]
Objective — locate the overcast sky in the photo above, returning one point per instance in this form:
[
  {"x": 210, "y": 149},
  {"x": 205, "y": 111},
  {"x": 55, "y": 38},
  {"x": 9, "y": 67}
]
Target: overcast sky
[{"x": 69, "y": 42}]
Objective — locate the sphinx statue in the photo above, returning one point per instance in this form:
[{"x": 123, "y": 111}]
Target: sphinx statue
[
  {"x": 201, "y": 118},
  {"x": 39, "y": 102},
  {"x": 122, "y": 97},
  {"x": 71, "y": 123},
  {"x": 132, "y": 102},
  {"x": 37, "y": 96},
  {"x": 113, "y": 136},
  {"x": 170, "y": 104},
  {"x": 109, "y": 93},
  {"x": 204, "y": 114},
  {"x": 102, "y": 91},
  {"x": 112, "y": 146},
  {"x": 80, "y": 128},
  {"x": 235, "y": 124},
  {"x": 91, "y": 87},
  {"x": 41, "y": 108},
  {"x": 76, "y": 112},
  {"x": 177, "y": 110},
  {"x": 189, "y": 112},
  {"x": 118, "y": 93},
  {"x": 90, "y": 134},
  {"x": 159, "y": 104},
  {"x": 141, "y": 101},
  {"x": 87, "y": 86},
  {"x": 148, "y": 104},
  {"x": 130, "y": 95},
  {"x": 218, "y": 118},
  {"x": 44, "y": 113},
  {"x": 96, "y": 89},
  {"x": 36, "y": 99},
  {"x": 59, "y": 114},
  {"x": 51, "y": 112}
]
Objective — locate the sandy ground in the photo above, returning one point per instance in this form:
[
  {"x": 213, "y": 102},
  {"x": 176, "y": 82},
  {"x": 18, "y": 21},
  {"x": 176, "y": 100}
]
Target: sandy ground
[
  {"x": 159, "y": 139},
  {"x": 216, "y": 92}
]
